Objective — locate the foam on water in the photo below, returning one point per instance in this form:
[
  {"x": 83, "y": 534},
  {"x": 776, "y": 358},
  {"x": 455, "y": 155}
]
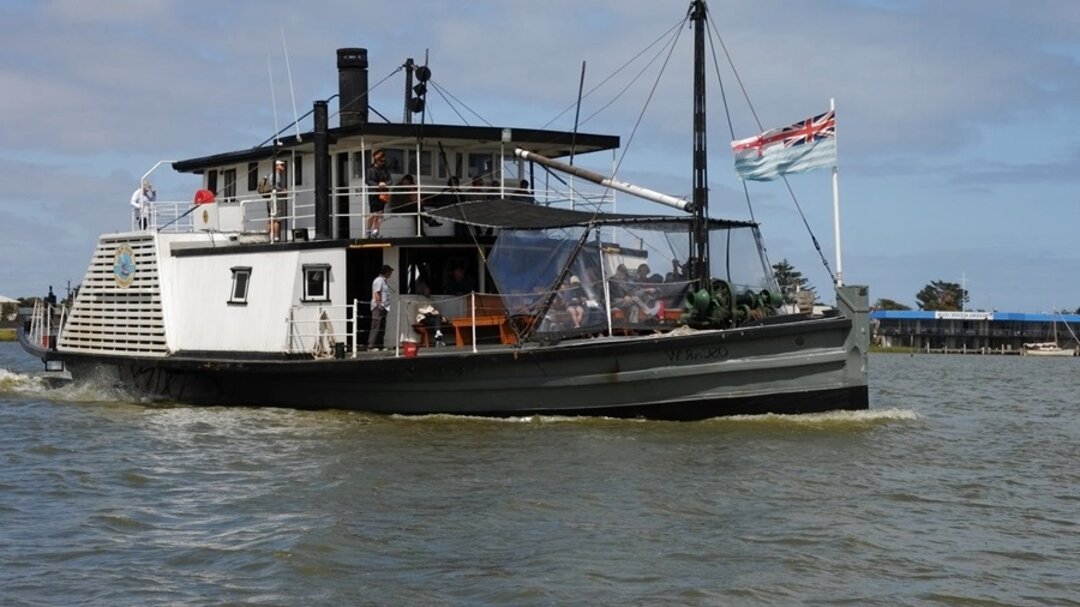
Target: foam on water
[
  {"x": 20, "y": 383},
  {"x": 91, "y": 389},
  {"x": 831, "y": 419}
]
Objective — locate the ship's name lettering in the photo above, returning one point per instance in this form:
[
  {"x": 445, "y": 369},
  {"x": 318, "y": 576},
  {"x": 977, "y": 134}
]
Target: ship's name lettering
[{"x": 691, "y": 354}]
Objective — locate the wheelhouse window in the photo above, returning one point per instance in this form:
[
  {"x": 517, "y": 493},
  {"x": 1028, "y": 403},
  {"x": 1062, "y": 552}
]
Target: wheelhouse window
[
  {"x": 449, "y": 165},
  {"x": 229, "y": 191},
  {"x": 425, "y": 163},
  {"x": 241, "y": 279},
  {"x": 252, "y": 176},
  {"x": 316, "y": 282},
  {"x": 395, "y": 161},
  {"x": 298, "y": 167},
  {"x": 482, "y": 165},
  {"x": 211, "y": 180}
]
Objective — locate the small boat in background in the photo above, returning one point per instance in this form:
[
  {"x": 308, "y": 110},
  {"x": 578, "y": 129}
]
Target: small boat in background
[{"x": 1047, "y": 348}]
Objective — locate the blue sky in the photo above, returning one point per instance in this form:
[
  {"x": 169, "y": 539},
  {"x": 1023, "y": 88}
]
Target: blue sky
[{"x": 957, "y": 153}]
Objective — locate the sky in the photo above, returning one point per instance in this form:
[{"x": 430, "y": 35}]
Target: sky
[{"x": 958, "y": 159}]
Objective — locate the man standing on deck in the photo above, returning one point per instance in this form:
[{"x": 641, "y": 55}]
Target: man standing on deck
[
  {"x": 378, "y": 181},
  {"x": 140, "y": 204},
  {"x": 380, "y": 303},
  {"x": 277, "y": 207}
]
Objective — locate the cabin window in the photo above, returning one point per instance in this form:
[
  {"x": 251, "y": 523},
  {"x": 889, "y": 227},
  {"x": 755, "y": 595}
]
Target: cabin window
[
  {"x": 395, "y": 161},
  {"x": 449, "y": 165},
  {"x": 229, "y": 191},
  {"x": 425, "y": 163},
  {"x": 358, "y": 165},
  {"x": 253, "y": 176},
  {"x": 316, "y": 282},
  {"x": 482, "y": 165},
  {"x": 298, "y": 166},
  {"x": 241, "y": 278},
  {"x": 211, "y": 181}
]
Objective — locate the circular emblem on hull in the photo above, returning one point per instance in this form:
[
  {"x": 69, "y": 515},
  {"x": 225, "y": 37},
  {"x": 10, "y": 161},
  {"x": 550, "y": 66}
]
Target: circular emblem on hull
[{"x": 124, "y": 266}]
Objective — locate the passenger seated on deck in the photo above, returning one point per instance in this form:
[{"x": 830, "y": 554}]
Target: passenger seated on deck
[
  {"x": 426, "y": 313},
  {"x": 622, "y": 294},
  {"x": 449, "y": 195},
  {"x": 406, "y": 199},
  {"x": 574, "y": 298}
]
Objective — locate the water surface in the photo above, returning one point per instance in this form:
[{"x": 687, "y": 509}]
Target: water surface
[{"x": 958, "y": 487}]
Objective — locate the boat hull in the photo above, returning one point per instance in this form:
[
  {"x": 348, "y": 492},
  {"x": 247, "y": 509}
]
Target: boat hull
[{"x": 797, "y": 367}]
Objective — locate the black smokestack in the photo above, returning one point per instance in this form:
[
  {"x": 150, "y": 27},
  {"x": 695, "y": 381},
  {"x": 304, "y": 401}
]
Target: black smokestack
[
  {"x": 322, "y": 172},
  {"x": 352, "y": 86}
]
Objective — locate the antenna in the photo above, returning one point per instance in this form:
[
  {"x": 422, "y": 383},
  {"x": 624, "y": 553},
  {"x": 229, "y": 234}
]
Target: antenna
[
  {"x": 577, "y": 114},
  {"x": 288, "y": 71},
  {"x": 273, "y": 100}
]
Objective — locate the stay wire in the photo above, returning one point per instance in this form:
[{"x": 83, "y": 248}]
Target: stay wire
[
  {"x": 761, "y": 128},
  {"x": 616, "y": 73},
  {"x": 648, "y": 100},
  {"x": 473, "y": 112},
  {"x": 632, "y": 82},
  {"x": 331, "y": 98}
]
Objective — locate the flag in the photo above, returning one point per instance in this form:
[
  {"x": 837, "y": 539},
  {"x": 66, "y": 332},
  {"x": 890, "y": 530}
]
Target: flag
[{"x": 804, "y": 146}]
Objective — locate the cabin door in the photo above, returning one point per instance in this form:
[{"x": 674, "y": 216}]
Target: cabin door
[{"x": 362, "y": 266}]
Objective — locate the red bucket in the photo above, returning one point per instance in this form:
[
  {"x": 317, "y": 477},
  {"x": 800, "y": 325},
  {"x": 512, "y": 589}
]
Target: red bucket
[{"x": 409, "y": 348}]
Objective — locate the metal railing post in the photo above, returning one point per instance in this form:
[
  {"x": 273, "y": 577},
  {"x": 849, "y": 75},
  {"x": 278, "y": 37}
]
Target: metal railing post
[
  {"x": 472, "y": 297},
  {"x": 355, "y": 325}
]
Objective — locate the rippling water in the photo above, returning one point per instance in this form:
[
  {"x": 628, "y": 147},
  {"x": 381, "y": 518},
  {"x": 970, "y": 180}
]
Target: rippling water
[{"x": 960, "y": 487}]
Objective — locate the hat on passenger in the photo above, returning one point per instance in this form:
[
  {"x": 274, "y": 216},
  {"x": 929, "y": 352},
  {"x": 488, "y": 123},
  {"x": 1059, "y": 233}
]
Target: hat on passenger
[{"x": 574, "y": 280}]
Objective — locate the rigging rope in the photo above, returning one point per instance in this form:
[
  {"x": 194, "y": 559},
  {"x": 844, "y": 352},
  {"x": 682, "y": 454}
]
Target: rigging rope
[
  {"x": 615, "y": 73},
  {"x": 439, "y": 88},
  {"x": 757, "y": 120}
]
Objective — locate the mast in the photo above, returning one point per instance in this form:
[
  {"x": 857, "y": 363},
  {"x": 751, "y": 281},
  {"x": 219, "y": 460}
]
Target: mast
[{"x": 699, "y": 231}]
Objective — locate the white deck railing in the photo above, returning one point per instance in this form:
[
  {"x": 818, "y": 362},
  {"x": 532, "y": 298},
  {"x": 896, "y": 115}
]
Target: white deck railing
[
  {"x": 319, "y": 329},
  {"x": 253, "y": 211},
  {"x": 46, "y": 321}
]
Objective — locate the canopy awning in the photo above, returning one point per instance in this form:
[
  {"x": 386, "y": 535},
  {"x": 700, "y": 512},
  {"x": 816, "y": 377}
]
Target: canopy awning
[{"x": 517, "y": 215}]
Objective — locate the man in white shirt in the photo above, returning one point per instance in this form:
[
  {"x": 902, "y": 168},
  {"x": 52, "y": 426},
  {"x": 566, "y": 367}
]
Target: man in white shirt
[
  {"x": 140, "y": 204},
  {"x": 380, "y": 303}
]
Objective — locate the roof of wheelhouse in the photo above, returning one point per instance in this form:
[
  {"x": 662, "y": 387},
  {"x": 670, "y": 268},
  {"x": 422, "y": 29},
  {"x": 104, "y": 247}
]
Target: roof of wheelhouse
[{"x": 552, "y": 144}]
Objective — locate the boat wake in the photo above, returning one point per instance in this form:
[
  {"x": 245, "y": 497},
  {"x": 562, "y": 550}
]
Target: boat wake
[
  {"x": 92, "y": 389},
  {"x": 20, "y": 383},
  {"x": 829, "y": 420}
]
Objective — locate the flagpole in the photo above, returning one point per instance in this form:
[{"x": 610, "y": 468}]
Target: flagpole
[{"x": 836, "y": 206}]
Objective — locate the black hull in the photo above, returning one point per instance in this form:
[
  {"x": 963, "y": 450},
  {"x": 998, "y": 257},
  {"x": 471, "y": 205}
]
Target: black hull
[{"x": 802, "y": 367}]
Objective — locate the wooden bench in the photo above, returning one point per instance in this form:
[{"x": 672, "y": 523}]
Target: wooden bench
[{"x": 490, "y": 312}]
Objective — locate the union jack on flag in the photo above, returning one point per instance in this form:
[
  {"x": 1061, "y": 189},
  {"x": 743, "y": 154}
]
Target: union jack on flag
[{"x": 804, "y": 146}]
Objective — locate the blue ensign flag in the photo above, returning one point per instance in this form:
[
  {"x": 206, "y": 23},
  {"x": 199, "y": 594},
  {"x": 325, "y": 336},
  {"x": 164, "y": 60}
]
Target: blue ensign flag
[{"x": 804, "y": 146}]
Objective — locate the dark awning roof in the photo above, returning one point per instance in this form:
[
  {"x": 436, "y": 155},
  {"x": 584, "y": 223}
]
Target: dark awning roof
[{"x": 512, "y": 214}]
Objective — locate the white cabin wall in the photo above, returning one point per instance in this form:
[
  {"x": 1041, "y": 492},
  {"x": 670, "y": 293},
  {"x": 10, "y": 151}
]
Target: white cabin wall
[
  {"x": 167, "y": 278},
  {"x": 200, "y": 318}
]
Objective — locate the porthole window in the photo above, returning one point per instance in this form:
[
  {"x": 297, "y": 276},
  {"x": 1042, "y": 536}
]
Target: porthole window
[
  {"x": 317, "y": 282},
  {"x": 241, "y": 278}
]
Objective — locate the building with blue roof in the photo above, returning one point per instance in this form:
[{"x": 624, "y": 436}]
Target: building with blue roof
[{"x": 1004, "y": 332}]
